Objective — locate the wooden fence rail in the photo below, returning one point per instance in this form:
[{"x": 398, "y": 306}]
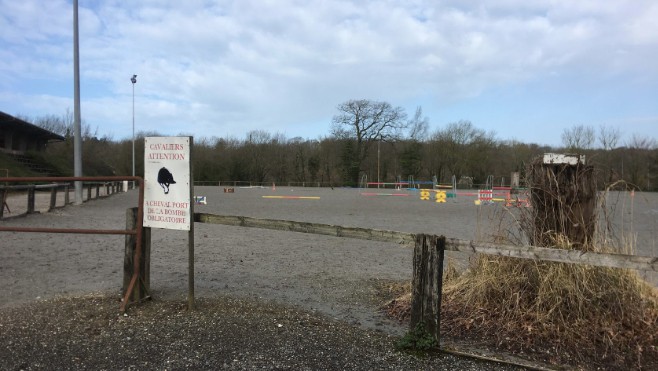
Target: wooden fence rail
[
  {"x": 644, "y": 263},
  {"x": 428, "y": 258},
  {"x": 31, "y": 189}
]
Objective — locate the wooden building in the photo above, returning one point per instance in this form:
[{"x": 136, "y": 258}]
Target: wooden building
[{"x": 18, "y": 136}]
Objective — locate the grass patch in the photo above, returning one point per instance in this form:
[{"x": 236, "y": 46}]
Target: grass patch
[{"x": 418, "y": 339}]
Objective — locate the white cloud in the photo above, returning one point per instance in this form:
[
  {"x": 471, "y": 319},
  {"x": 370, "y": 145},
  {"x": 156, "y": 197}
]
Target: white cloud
[{"x": 244, "y": 65}]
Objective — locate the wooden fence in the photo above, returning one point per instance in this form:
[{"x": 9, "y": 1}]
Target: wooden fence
[
  {"x": 429, "y": 255},
  {"x": 93, "y": 190},
  {"x": 452, "y": 244}
]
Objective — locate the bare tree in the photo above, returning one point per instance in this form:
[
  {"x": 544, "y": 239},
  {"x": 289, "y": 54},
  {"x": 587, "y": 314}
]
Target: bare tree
[
  {"x": 63, "y": 125},
  {"x": 418, "y": 126},
  {"x": 361, "y": 123},
  {"x": 258, "y": 137},
  {"x": 255, "y": 163},
  {"x": 608, "y": 137},
  {"x": 642, "y": 143},
  {"x": 365, "y": 120},
  {"x": 639, "y": 159},
  {"x": 463, "y": 148},
  {"x": 52, "y": 123},
  {"x": 579, "y": 137}
]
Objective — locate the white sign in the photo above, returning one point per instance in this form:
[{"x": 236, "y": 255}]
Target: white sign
[
  {"x": 167, "y": 183},
  {"x": 555, "y": 158}
]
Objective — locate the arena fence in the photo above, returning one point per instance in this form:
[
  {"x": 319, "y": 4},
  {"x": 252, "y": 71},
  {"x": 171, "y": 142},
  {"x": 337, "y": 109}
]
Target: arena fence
[
  {"x": 94, "y": 190},
  {"x": 133, "y": 230},
  {"x": 429, "y": 253}
]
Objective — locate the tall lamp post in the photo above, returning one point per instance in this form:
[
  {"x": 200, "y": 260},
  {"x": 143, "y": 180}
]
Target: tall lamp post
[
  {"x": 134, "y": 81},
  {"x": 77, "y": 136},
  {"x": 379, "y": 143}
]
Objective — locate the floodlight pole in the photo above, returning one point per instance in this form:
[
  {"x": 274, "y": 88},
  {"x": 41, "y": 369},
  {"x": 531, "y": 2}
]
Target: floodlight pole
[
  {"x": 378, "y": 145},
  {"x": 134, "y": 81},
  {"x": 77, "y": 136}
]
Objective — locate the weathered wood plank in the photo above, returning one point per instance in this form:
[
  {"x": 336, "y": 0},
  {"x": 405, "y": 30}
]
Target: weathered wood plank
[
  {"x": 313, "y": 228},
  {"x": 644, "y": 263},
  {"x": 556, "y": 255},
  {"x": 53, "y": 198},
  {"x": 30, "y": 200}
]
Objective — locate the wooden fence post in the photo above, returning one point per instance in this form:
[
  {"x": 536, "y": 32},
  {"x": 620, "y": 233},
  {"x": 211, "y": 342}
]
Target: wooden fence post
[
  {"x": 53, "y": 197},
  {"x": 427, "y": 284},
  {"x": 30, "y": 199},
  {"x": 143, "y": 286},
  {"x": 4, "y": 205}
]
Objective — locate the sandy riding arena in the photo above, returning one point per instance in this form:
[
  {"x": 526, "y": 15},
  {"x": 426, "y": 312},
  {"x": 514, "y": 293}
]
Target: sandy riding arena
[{"x": 334, "y": 283}]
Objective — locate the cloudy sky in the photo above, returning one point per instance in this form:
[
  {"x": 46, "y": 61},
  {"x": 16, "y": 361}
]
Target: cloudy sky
[{"x": 523, "y": 69}]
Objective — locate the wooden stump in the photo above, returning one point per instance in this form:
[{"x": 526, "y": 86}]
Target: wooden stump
[
  {"x": 427, "y": 284},
  {"x": 563, "y": 194}
]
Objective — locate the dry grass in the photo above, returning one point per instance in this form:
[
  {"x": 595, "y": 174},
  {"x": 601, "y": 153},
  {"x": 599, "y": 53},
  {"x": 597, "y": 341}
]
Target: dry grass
[
  {"x": 560, "y": 313},
  {"x": 399, "y": 307},
  {"x": 563, "y": 314}
]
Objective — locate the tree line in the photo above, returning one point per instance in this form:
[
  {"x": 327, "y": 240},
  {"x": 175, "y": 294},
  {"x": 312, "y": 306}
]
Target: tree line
[{"x": 371, "y": 141}]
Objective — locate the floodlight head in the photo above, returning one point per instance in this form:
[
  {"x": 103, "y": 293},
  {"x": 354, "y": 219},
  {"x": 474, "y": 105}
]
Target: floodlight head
[{"x": 133, "y": 79}]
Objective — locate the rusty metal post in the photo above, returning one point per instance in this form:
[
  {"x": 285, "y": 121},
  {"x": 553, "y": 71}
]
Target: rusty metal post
[
  {"x": 138, "y": 250},
  {"x": 142, "y": 288}
]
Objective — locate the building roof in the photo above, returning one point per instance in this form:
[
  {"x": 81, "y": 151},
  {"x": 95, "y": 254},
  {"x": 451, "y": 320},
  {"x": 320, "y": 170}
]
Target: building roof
[{"x": 10, "y": 122}]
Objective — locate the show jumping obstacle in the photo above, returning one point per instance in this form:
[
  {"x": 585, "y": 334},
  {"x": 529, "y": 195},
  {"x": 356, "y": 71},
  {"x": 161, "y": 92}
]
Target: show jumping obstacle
[{"x": 294, "y": 197}]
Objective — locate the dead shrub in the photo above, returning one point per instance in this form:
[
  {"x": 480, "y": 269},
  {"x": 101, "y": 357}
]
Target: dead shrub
[
  {"x": 564, "y": 314},
  {"x": 557, "y": 312}
]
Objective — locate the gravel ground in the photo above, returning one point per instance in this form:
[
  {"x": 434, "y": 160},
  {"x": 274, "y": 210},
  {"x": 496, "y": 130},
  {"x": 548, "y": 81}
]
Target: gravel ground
[
  {"x": 223, "y": 333},
  {"x": 266, "y": 299}
]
